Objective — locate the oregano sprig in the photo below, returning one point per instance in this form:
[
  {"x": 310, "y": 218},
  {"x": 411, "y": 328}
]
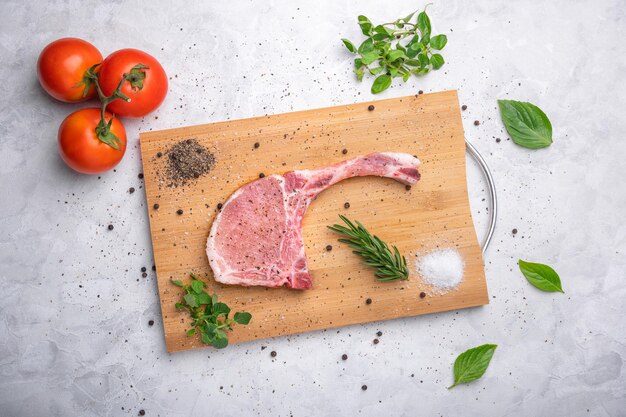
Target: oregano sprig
[
  {"x": 210, "y": 317},
  {"x": 386, "y": 45}
]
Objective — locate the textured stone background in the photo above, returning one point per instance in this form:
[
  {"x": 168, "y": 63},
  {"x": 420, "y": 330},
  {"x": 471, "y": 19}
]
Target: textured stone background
[{"x": 74, "y": 309}]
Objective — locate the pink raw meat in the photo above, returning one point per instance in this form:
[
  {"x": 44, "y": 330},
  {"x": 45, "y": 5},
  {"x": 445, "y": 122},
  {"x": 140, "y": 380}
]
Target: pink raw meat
[{"x": 256, "y": 239}]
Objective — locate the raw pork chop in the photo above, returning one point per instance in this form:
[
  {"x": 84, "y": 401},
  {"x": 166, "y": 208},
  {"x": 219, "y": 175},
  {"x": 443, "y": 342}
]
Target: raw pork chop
[{"x": 256, "y": 239}]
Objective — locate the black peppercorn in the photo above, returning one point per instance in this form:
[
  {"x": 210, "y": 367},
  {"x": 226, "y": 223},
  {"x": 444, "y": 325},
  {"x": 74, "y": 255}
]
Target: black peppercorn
[
  {"x": 464, "y": 107},
  {"x": 345, "y": 151},
  {"x": 156, "y": 206},
  {"x": 346, "y": 205},
  {"x": 370, "y": 107},
  {"x": 179, "y": 212},
  {"x": 273, "y": 354},
  {"x": 110, "y": 227},
  {"x": 344, "y": 357},
  {"x": 329, "y": 248},
  {"x": 368, "y": 301}
]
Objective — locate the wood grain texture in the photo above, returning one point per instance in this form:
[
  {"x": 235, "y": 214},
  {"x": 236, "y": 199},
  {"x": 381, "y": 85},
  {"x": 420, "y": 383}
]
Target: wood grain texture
[{"x": 433, "y": 214}]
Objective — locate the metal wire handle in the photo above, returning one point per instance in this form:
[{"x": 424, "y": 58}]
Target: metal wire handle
[{"x": 492, "y": 193}]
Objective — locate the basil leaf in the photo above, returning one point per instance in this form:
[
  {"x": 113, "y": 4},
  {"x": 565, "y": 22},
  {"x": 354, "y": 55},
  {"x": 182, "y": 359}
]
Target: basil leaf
[
  {"x": 197, "y": 286},
  {"x": 191, "y": 332},
  {"x": 541, "y": 276},
  {"x": 527, "y": 124},
  {"x": 406, "y": 76},
  {"x": 366, "y": 25},
  {"x": 381, "y": 83},
  {"x": 220, "y": 308},
  {"x": 177, "y": 282},
  {"x": 375, "y": 71},
  {"x": 437, "y": 61},
  {"x": 358, "y": 63},
  {"x": 438, "y": 42},
  {"x": 472, "y": 364},
  {"x": 242, "y": 317},
  {"x": 423, "y": 23},
  {"x": 349, "y": 45},
  {"x": 190, "y": 299},
  {"x": 380, "y": 36}
]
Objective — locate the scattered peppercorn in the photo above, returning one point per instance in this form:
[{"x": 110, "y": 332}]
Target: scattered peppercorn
[
  {"x": 110, "y": 227},
  {"x": 514, "y": 231},
  {"x": 476, "y": 122},
  {"x": 151, "y": 323},
  {"x": 154, "y": 267},
  {"x": 498, "y": 140},
  {"x": 219, "y": 206},
  {"x": 329, "y": 247},
  {"x": 344, "y": 357},
  {"x": 368, "y": 301},
  {"x": 143, "y": 269},
  {"x": 345, "y": 151},
  {"x": 407, "y": 187},
  {"x": 179, "y": 211},
  {"x": 370, "y": 107},
  {"x": 142, "y": 413},
  {"x": 140, "y": 175},
  {"x": 273, "y": 354},
  {"x": 131, "y": 190},
  {"x": 156, "y": 206},
  {"x": 346, "y": 205},
  {"x": 364, "y": 387},
  {"x": 420, "y": 92},
  {"x": 422, "y": 294},
  {"x": 144, "y": 275},
  {"x": 256, "y": 145},
  {"x": 464, "y": 107},
  {"x": 379, "y": 333},
  {"x": 261, "y": 175},
  {"x": 376, "y": 341},
  {"x": 159, "y": 154}
]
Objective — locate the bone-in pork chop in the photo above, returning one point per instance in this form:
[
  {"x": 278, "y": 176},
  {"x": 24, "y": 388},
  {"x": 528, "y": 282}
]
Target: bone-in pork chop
[{"x": 256, "y": 239}]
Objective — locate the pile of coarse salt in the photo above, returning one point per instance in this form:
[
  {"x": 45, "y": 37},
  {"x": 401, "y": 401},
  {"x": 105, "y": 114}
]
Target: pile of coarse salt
[{"x": 442, "y": 269}]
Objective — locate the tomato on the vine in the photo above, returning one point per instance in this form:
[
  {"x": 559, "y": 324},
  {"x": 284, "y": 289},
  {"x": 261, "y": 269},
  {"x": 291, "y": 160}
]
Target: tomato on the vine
[
  {"x": 61, "y": 69},
  {"x": 80, "y": 145},
  {"x": 146, "y": 86}
]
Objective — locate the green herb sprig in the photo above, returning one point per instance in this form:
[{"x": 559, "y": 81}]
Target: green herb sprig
[
  {"x": 386, "y": 46},
  {"x": 210, "y": 317},
  {"x": 389, "y": 266}
]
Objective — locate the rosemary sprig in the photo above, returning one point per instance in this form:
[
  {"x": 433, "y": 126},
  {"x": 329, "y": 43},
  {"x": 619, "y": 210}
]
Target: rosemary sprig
[{"x": 389, "y": 266}]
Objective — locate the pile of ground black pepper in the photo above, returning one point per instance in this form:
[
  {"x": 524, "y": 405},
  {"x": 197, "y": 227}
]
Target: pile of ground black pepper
[{"x": 187, "y": 160}]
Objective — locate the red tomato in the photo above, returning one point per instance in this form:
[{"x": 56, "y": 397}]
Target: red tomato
[
  {"x": 147, "y": 93},
  {"x": 62, "y": 65},
  {"x": 80, "y": 147}
]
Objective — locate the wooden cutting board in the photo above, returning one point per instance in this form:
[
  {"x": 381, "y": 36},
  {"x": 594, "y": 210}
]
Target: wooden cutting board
[{"x": 433, "y": 214}]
